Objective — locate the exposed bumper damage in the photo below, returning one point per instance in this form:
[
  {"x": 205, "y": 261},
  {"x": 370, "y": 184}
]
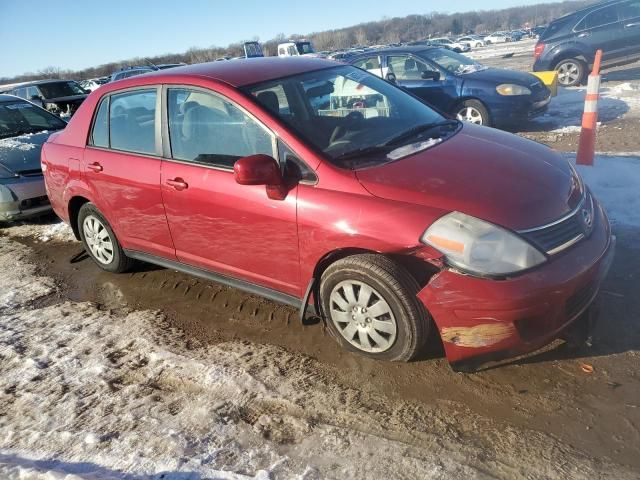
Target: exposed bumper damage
[
  {"x": 24, "y": 199},
  {"x": 484, "y": 320}
]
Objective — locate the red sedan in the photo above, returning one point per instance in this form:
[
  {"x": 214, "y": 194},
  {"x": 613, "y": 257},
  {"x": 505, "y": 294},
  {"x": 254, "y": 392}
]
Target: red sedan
[{"x": 312, "y": 182}]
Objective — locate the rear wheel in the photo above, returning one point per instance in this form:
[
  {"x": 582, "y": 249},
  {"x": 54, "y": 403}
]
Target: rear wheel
[
  {"x": 571, "y": 72},
  {"x": 473, "y": 111},
  {"x": 100, "y": 242},
  {"x": 370, "y": 307}
]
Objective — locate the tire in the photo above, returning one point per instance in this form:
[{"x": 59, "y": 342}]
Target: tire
[
  {"x": 396, "y": 329},
  {"x": 472, "y": 111},
  {"x": 571, "y": 72},
  {"x": 103, "y": 246}
]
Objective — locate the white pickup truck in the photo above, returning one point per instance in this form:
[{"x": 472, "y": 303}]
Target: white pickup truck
[{"x": 296, "y": 48}]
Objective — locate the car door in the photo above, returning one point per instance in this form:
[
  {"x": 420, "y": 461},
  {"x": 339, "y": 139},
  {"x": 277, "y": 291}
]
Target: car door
[
  {"x": 629, "y": 13},
  {"x": 408, "y": 69},
  {"x": 217, "y": 224},
  {"x": 602, "y": 29},
  {"x": 121, "y": 166}
]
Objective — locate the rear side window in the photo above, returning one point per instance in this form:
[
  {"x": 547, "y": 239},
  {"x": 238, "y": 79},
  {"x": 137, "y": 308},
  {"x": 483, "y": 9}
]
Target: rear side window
[
  {"x": 100, "y": 133},
  {"x": 599, "y": 18},
  {"x": 132, "y": 121},
  {"x": 629, "y": 10}
]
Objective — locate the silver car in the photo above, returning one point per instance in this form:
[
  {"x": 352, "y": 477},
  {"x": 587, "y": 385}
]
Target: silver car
[{"x": 24, "y": 127}]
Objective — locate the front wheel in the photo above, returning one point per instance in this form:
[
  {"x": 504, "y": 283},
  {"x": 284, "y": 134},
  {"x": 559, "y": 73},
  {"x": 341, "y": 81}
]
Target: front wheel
[
  {"x": 473, "y": 111},
  {"x": 571, "y": 72},
  {"x": 370, "y": 307},
  {"x": 100, "y": 242}
]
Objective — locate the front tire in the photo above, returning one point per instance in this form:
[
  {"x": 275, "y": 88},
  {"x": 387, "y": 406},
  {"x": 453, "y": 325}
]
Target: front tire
[
  {"x": 370, "y": 307},
  {"x": 571, "y": 72},
  {"x": 473, "y": 111},
  {"x": 100, "y": 242}
]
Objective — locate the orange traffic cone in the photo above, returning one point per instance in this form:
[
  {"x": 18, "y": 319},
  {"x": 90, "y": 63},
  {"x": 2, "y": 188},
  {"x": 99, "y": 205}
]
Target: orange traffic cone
[{"x": 587, "y": 145}]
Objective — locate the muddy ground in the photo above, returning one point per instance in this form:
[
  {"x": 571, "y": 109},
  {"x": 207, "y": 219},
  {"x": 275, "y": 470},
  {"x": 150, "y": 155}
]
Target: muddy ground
[{"x": 596, "y": 413}]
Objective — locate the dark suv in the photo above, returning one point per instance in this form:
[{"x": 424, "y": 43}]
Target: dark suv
[
  {"x": 569, "y": 43},
  {"x": 61, "y": 97}
]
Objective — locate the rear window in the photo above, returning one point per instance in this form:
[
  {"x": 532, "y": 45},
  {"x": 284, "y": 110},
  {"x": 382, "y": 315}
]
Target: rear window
[
  {"x": 132, "y": 123},
  {"x": 556, "y": 26}
]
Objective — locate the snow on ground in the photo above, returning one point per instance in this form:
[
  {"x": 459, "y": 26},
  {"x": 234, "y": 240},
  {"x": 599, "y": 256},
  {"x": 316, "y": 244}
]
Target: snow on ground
[
  {"x": 89, "y": 394},
  {"x": 42, "y": 232},
  {"x": 615, "y": 181},
  {"x": 565, "y": 110}
]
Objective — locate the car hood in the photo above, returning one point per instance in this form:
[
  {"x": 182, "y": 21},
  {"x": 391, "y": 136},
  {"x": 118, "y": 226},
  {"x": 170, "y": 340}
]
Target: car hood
[
  {"x": 499, "y": 75},
  {"x": 483, "y": 172},
  {"x": 22, "y": 154}
]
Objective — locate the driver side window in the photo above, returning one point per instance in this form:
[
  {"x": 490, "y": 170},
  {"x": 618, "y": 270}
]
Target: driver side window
[
  {"x": 206, "y": 128},
  {"x": 407, "y": 68}
]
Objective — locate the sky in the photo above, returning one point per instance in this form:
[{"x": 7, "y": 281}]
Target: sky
[{"x": 72, "y": 34}]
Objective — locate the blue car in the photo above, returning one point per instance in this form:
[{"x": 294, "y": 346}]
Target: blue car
[{"x": 458, "y": 86}]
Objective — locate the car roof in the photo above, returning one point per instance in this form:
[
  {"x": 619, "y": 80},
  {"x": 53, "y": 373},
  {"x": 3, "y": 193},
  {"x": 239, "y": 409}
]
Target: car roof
[
  {"x": 9, "y": 98},
  {"x": 40, "y": 82},
  {"x": 415, "y": 49},
  {"x": 246, "y": 71}
]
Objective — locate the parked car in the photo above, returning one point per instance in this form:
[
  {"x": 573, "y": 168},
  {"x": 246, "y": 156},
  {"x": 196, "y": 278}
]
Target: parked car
[
  {"x": 472, "y": 40},
  {"x": 459, "y": 86},
  {"x": 569, "y": 43},
  {"x": 24, "y": 127},
  {"x": 395, "y": 225},
  {"x": 61, "y": 97},
  {"x": 450, "y": 44},
  {"x": 296, "y": 48},
  {"x": 516, "y": 35},
  {"x": 497, "y": 38},
  {"x": 130, "y": 72}
]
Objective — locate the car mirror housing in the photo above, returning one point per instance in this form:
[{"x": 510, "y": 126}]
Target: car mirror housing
[
  {"x": 430, "y": 75},
  {"x": 391, "y": 77},
  {"x": 261, "y": 170}
]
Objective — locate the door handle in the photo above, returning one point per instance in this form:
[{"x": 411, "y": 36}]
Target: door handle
[
  {"x": 95, "y": 166},
  {"x": 177, "y": 183},
  {"x": 634, "y": 24},
  {"x": 585, "y": 34}
]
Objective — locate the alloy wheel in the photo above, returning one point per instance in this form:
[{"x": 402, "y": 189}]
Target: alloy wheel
[
  {"x": 568, "y": 73},
  {"x": 471, "y": 115},
  {"x": 362, "y": 316},
  {"x": 98, "y": 239}
]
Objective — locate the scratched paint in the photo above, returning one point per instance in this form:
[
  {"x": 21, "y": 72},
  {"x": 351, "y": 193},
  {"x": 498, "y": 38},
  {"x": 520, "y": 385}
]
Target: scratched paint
[{"x": 479, "y": 335}]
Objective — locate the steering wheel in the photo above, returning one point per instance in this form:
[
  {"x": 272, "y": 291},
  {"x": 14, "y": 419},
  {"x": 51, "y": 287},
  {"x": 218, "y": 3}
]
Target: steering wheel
[{"x": 349, "y": 121}]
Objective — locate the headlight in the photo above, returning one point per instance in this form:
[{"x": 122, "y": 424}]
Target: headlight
[
  {"x": 480, "y": 247},
  {"x": 510, "y": 89},
  {"x": 6, "y": 173}
]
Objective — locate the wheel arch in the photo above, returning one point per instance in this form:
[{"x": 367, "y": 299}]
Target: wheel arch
[{"x": 75, "y": 204}]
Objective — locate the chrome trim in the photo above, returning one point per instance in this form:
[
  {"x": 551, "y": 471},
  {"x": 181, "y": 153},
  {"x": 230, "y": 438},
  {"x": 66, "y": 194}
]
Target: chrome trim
[
  {"x": 565, "y": 245},
  {"x": 560, "y": 220}
]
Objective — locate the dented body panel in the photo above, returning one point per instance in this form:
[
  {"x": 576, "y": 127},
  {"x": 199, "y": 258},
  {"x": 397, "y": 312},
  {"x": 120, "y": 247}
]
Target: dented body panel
[{"x": 480, "y": 317}]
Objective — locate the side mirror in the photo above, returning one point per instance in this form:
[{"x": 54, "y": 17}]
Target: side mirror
[
  {"x": 261, "y": 170},
  {"x": 36, "y": 98},
  {"x": 430, "y": 75},
  {"x": 391, "y": 77}
]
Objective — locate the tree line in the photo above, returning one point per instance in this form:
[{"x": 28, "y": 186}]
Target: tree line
[{"x": 384, "y": 31}]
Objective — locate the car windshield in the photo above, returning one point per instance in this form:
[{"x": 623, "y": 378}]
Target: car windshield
[
  {"x": 304, "y": 47},
  {"x": 452, "y": 62},
  {"x": 18, "y": 118},
  {"x": 355, "y": 118},
  {"x": 60, "y": 89}
]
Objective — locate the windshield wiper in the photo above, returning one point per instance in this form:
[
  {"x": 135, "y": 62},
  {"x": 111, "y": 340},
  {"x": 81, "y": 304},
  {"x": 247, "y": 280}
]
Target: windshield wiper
[
  {"x": 362, "y": 151},
  {"x": 419, "y": 129}
]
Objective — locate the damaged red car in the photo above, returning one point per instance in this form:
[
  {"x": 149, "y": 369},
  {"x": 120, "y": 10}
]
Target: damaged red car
[{"x": 325, "y": 187}]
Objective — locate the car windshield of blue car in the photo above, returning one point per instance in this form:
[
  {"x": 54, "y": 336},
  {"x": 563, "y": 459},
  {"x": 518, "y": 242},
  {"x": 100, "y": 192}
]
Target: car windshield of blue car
[
  {"x": 453, "y": 62},
  {"x": 19, "y": 118}
]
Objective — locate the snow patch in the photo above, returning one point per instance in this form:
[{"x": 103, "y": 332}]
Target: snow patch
[
  {"x": 13, "y": 144},
  {"x": 58, "y": 231}
]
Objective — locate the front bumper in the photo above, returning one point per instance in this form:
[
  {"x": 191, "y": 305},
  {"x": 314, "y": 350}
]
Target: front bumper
[
  {"x": 23, "y": 198},
  {"x": 507, "y": 112},
  {"x": 484, "y": 319}
]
